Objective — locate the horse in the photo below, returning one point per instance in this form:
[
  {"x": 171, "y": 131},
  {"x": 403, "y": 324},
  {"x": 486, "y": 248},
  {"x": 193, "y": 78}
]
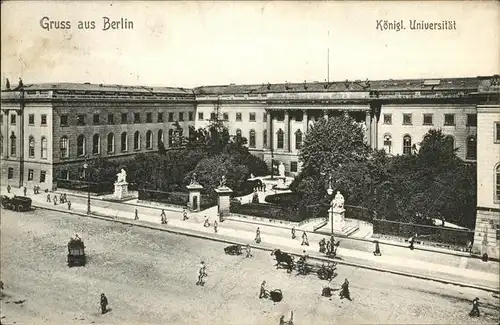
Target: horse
[{"x": 283, "y": 258}]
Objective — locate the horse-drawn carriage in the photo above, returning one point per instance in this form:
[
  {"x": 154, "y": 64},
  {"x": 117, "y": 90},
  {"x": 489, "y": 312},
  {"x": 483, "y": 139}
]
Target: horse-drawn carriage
[
  {"x": 285, "y": 260},
  {"x": 16, "y": 203},
  {"x": 76, "y": 252},
  {"x": 233, "y": 250}
]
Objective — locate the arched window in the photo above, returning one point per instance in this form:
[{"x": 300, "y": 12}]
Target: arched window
[
  {"x": 251, "y": 141},
  {"x": 80, "y": 145},
  {"x": 281, "y": 139},
  {"x": 44, "y": 148},
  {"x": 406, "y": 145},
  {"x": 64, "y": 147},
  {"x": 31, "y": 145},
  {"x": 298, "y": 139},
  {"x": 96, "y": 144},
  {"x": 264, "y": 138},
  {"x": 149, "y": 140},
  {"x": 471, "y": 148},
  {"x": 123, "y": 142},
  {"x": 160, "y": 136},
  {"x": 13, "y": 144},
  {"x": 111, "y": 142},
  {"x": 137, "y": 140},
  {"x": 388, "y": 143},
  {"x": 497, "y": 183}
]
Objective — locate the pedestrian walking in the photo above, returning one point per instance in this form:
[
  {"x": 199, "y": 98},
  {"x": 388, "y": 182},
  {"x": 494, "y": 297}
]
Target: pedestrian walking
[
  {"x": 8, "y": 188},
  {"x": 69, "y": 204},
  {"x": 61, "y": 198},
  {"x": 263, "y": 291},
  {"x": 215, "y": 226},
  {"x": 104, "y": 303},
  {"x": 202, "y": 273},
  {"x": 184, "y": 215},
  {"x": 136, "y": 215},
  {"x": 293, "y": 233},
  {"x": 475, "y": 308},
  {"x": 344, "y": 292},
  {"x": 25, "y": 190},
  {"x": 34, "y": 189},
  {"x": 322, "y": 245},
  {"x": 206, "y": 223},
  {"x": 55, "y": 199},
  {"x": 163, "y": 217},
  {"x": 48, "y": 198},
  {"x": 257, "y": 236},
  {"x": 411, "y": 240},
  {"x": 377, "y": 249},
  {"x": 305, "y": 241},
  {"x": 248, "y": 250}
]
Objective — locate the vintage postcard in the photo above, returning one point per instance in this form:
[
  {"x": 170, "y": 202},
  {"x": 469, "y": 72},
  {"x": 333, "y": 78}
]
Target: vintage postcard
[{"x": 250, "y": 162}]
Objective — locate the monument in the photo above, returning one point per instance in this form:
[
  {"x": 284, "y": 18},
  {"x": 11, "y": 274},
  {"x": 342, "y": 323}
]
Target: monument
[
  {"x": 224, "y": 193},
  {"x": 335, "y": 223},
  {"x": 282, "y": 178},
  {"x": 194, "y": 189},
  {"x": 121, "y": 185}
]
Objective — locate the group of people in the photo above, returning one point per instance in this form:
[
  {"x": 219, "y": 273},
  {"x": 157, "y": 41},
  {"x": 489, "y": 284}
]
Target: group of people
[
  {"x": 305, "y": 240},
  {"x": 36, "y": 189},
  {"x": 327, "y": 247},
  {"x": 206, "y": 224},
  {"x": 260, "y": 187}
]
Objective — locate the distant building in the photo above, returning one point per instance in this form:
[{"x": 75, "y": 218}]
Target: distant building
[
  {"x": 48, "y": 130},
  {"x": 487, "y": 232}
]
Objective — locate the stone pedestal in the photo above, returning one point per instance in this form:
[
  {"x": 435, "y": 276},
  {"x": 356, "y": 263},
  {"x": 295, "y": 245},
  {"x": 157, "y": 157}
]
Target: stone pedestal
[
  {"x": 121, "y": 190},
  {"x": 336, "y": 220},
  {"x": 224, "y": 194},
  {"x": 194, "y": 203}
]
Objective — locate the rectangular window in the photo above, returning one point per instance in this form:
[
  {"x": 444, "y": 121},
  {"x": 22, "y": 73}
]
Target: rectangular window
[
  {"x": 149, "y": 117},
  {"x": 200, "y": 116},
  {"x": 111, "y": 119},
  {"x": 265, "y": 117},
  {"x": 96, "y": 119},
  {"x": 407, "y": 119},
  {"x": 43, "y": 119},
  {"x": 30, "y": 174},
  {"x": 13, "y": 119},
  {"x": 137, "y": 118},
  {"x": 252, "y": 117},
  {"x": 10, "y": 174},
  {"x": 80, "y": 120},
  {"x": 225, "y": 116},
  {"x": 471, "y": 119},
  {"x": 427, "y": 119},
  {"x": 293, "y": 167},
  {"x": 191, "y": 116},
  {"x": 42, "y": 176},
  {"x": 160, "y": 117},
  {"x": 181, "y": 116},
  {"x": 497, "y": 132},
  {"x": 238, "y": 117},
  {"x": 170, "y": 117},
  {"x": 124, "y": 118},
  {"x": 213, "y": 116},
  {"x": 449, "y": 119},
  {"x": 64, "y": 120},
  {"x": 387, "y": 118},
  {"x": 31, "y": 119}
]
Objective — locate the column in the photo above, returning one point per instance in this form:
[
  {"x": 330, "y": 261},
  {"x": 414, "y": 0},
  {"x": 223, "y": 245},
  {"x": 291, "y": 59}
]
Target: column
[
  {"x": 374, "y": 125},
  {"x": 368, "y": 122},
  {"x": 269, "y": 129},
  {"x": 286, "y": 144},
  {"x": 305, "y": 121}
]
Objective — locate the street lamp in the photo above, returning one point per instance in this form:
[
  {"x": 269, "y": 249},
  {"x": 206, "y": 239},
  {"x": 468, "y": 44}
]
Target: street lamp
[
  {"x": 85, "y": 168},
  {"x": 330, "y": 192}
]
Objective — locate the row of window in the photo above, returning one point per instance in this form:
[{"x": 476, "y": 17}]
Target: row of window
[
  {"x": 428, "y": 119},
  {"x": 31, "y": 174},
  {"x": 124, "y": 118},
  {"x": 408, "y": 146}
]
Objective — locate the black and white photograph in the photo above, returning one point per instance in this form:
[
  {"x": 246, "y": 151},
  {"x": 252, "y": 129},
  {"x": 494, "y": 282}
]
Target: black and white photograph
[{"x": 250, "y": 162}]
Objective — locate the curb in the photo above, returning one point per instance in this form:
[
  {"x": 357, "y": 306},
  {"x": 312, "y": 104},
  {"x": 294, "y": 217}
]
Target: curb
[{"x": 323, "y": 259}]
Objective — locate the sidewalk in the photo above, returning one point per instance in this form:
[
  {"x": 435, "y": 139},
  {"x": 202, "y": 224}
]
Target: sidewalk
[{"x": 453, "y": 268}]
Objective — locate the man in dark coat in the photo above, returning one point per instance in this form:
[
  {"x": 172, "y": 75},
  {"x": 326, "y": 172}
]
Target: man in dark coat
[
  {"x": 104, "y": 303},
  {"x": 377, "y": 249},
  {"x": 263, "y": 292},
  {"x": 344, "y": 291},
  {"x": 475, "y": 308}
]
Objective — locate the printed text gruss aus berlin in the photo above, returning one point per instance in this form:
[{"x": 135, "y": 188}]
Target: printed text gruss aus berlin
[
  {"x": 413, "y": 24},
  {"x": 106, "y": 24}
]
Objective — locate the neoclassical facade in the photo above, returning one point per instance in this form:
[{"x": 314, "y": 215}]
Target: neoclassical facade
[{"x": 48, "y": 130}]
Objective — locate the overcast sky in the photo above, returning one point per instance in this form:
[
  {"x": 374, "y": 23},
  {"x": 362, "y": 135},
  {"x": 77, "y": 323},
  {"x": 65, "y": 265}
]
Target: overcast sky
[{"x": 206, "y": 43}]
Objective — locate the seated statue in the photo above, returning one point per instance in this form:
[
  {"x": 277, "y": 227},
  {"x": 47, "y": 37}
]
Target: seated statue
[
  {"x": 338, "y": 201},
  {"x": 121, "y": 177}
]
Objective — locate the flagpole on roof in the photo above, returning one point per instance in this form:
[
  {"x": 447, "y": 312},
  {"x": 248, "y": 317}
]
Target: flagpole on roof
[{"x": 328, "y": 59}]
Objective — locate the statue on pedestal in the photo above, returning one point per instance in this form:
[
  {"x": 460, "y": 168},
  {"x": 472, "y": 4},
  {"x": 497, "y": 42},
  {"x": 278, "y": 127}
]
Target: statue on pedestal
[
  {"x": 281, "y": 170},
  {"x": 223, "y": 181},
  {"x": 193, "y": 180},
  {"x": 338, "y": 201},
  {"x": 121, "y": 177}
]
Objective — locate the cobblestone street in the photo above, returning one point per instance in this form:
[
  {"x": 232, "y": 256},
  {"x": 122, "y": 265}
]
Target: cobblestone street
[{"x": 149, "y": 277}]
